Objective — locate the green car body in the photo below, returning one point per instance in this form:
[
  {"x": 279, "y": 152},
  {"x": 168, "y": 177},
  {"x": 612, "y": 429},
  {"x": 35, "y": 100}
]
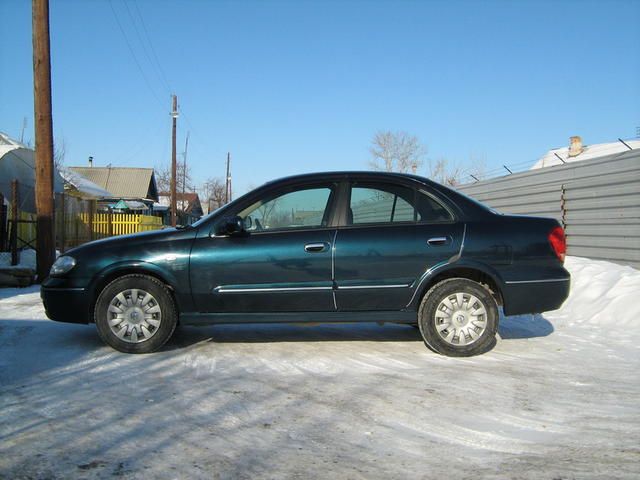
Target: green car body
[{"x": 338, "y": 268}]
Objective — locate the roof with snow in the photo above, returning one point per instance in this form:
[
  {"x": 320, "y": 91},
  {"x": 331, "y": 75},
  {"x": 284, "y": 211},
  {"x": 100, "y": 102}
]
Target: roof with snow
[
  {"x": 84, "y": 186},
  {"x": 122, "y": 182},
  {"x": 17, "y": 162},
  {"x": 589, "y": 152}
]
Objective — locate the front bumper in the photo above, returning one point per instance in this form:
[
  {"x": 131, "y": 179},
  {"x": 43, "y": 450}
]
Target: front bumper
[{"x": 65, "y": 304}]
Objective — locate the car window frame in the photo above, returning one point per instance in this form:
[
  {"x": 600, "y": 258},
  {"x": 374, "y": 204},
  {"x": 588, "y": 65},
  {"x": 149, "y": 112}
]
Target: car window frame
[
  {"x": 278, "y": 191},
  {"x": 345, "y": 203}
]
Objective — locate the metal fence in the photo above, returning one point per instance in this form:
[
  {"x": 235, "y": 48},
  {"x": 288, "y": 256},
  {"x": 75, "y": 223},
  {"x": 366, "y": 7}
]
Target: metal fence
[{"x": 597, "y": 201}]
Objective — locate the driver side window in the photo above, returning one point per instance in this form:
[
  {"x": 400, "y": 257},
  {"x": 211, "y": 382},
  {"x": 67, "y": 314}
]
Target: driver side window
[{"x": 307, "y": 208}]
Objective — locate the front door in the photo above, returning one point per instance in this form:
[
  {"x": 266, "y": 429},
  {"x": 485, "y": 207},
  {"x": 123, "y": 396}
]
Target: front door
[
  {"x": 394, "y": 234},
  {"x": 282, "y": 263}
]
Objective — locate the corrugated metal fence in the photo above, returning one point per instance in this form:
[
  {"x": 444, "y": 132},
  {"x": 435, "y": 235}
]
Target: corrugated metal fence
[{"x": 597, "y": 201}]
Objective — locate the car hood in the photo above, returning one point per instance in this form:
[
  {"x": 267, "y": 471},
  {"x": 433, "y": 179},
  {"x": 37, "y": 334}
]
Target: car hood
[{"x": 131, "y": 240}]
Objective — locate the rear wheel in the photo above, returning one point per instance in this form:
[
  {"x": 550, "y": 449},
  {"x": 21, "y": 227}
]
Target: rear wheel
[
  {"x": 135, "y": 314},
  {"x": 459, "y": 318}
]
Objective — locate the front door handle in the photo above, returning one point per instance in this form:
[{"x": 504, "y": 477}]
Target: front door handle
[
  {"x": 435, "y": 241},
  {"x": 316, "y": 247}
]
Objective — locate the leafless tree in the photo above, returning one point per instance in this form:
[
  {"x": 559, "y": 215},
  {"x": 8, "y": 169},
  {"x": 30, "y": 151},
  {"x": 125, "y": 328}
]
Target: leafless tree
[
  {"x": 452, "y": 173},
  {"x": 445, "y": 172},
  {"x": 212, "y": 192},
  {"x": 477, "y": 169},
  {"x": 396, "y": 152},
  {"x": 163, "y": 179},
  {"x": 59, "y": 153}
]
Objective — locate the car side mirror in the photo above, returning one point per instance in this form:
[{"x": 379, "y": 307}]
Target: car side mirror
[{"x": 232, "y": 226}]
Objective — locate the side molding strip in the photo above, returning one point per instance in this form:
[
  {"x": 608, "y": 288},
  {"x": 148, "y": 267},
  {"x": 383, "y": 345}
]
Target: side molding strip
[
  {"x": 220, "y": 289},
  {"x": 359, "y": 287},
  {"x": 539, "y": 281}
]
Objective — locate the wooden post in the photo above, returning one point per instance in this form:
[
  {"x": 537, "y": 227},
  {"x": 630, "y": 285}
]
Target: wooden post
[
  {"x": 110, "y": 216},
  {"x": 45, "y": 241},
  {"x": 3, "y": 224},
  {"x": 63, "y": 229},
  {"x": 91, "y": 236},
  {"x": 14, "y": 222},
  {"x": 174, "y": 203},
  {"x": 76, "y": 225}
]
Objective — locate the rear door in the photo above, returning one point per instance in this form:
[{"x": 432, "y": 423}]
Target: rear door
[{"x": 393, "y": 233}]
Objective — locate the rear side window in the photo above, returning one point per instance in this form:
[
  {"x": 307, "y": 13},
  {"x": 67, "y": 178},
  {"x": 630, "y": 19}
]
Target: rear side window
[
  {"x": 393, "y": 204},
  {"x": 430, "y": 210}
]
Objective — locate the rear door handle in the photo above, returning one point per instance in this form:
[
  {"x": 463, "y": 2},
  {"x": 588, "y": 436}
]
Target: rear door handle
[
  {"x": 316, "y": 247},
  {"x": 435, "y": 241}
]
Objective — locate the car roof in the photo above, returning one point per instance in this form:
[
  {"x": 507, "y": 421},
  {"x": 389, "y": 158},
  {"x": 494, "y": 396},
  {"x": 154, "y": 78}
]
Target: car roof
[{"x": 373, "y": 175}]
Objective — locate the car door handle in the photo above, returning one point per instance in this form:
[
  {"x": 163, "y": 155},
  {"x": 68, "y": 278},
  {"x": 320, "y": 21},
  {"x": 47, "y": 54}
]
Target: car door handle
[
  {"x": 316, "y": 247},
  {"x": 435, "y": 241}
]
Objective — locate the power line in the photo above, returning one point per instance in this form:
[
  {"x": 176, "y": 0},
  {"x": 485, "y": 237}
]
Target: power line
[
  {"x": 135, "y": 58},
  {"x": 153, "y": 50},
  {"x": 137, "y": 31},
  {"x": 157, "y": 64}
]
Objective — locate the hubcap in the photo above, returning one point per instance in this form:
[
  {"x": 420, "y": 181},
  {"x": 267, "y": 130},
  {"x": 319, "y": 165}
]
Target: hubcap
[
  {"x": 461, "y": 318},
  {"x": 134, "y": 315}
]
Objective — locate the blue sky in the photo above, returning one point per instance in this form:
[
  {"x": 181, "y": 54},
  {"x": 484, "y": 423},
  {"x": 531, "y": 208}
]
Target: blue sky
[{"x": 291, "y": 87}]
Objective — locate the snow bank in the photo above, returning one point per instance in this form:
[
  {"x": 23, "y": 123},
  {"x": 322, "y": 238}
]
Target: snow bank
[
  {"x": 27, "y": 259},
  {"x": 602, "y": 293}
]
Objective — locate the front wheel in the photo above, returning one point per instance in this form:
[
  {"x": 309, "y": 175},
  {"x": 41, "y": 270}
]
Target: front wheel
[
  {"x": 135, "y": 314},
  {"x": 458, "y": 318}
]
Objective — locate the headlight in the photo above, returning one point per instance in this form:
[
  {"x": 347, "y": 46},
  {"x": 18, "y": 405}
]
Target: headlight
[{"x": 62, "y": 265}]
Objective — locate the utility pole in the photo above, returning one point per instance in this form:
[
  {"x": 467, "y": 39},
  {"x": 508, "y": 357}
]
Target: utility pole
[
  {"x": 227, "y": 191},
  {"x": 45, "y": 240},
  {"x": 174, "y": 203}
]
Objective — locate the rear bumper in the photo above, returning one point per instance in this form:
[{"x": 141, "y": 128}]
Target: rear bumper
[
  {"x": 535, "y": 296},
  {"x": 69, "y": 305}
]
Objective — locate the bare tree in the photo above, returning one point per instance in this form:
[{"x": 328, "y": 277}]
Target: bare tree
[
  {"x": 212, "y": 192},
  {"x": 59, "y": 153},
  {"x": 453, "y": 174},
  {"x": 163, "y": 179},
  {"x": 445, "y": 172},
  {"x": 396, "y": 152},
  {"x": 477, "y": 167}
]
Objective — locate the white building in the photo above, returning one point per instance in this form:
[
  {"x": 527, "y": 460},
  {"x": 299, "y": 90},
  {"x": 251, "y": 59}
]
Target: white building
[{"x": 577, "y": 151}]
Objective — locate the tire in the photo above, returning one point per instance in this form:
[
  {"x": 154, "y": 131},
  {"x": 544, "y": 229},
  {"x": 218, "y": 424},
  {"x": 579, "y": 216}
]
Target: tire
[
  {"x": 458, "y": 332},
  {"x": 135, "y": 325}
]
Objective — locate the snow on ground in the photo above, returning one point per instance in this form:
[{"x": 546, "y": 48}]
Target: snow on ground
[
  {"x": 27, "y": 259},
  {"x": 557, "y": 398}
]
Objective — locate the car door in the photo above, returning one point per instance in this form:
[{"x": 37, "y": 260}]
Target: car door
[
  {"x": 393, "y": 233},
  {"x": 281, "y": 263}
]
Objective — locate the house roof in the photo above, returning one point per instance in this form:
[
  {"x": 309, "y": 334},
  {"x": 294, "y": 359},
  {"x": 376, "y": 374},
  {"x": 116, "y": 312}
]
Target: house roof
[
  {"x": 17, "y": 162},
  {"x": 590, "y": 151},
  {"x": 129, "y": 204},
  {"x": 124, "y": 182},
  {"x": 191, "y": 199},
  {"x": 84, "y": 186}
]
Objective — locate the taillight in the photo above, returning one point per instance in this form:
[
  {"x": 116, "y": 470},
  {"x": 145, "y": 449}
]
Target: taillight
[{"x": 558, "y": 242}]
